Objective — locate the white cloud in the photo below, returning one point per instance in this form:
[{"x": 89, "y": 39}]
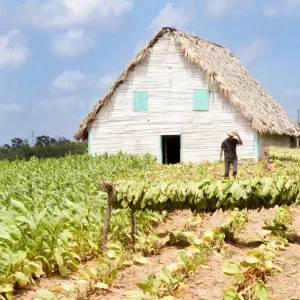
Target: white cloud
[
  {"x": 171, "y": 16},
  {"x": 14, "y": 49},
  {"x": 10, "y": 107},
  {"x": 60, "y": 104},
  {"x": 270, "y": 10},
  {"x": 293, "y": 92},
  {"x": 281, "y": 7},
  {"x": 107, "y": 80},
  {"x": 250, "y": 53},
  {"x": 63, "y": 14},
  {"x": 218, "y": 8},
  {"x": 72, "y": 43},
  {"x": 70, "y": 80}
]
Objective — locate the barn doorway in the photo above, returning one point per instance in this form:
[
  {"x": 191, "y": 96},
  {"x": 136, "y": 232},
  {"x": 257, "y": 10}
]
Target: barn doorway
[{"x": 170, "y": 149}]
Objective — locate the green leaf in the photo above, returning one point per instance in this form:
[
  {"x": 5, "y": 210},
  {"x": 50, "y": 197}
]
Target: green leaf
[
  {"x": 252, "y": 260},
  {"x": 231, "y": 294},
  {"x": 244, "y": 264},
  {"x": 172, "y": 239},
  {"x": 45, "y": 294},
  {"x": 231, "y": 269},
  {"x": 134, "y": 294},
  {"x": 68, "y": 287},
  {"x": 114, "y": 246},
  {"x": 6, "y": 288},
  {"x": 256, "y": 253},
  {"x": 144, "y": 286},
  {"x": 4, "y": 235},
  {"x": 73, "y": 266},
  {"x": 174, "y": 267},
  {"x": 101, "y": 285},
  {"x": 21, "y": 277},
  {"x": 141, "y": 260},
  {"x": 89, "y": 273},
  {"x": 19, "y": 205},
  {"x": 261, "y": 291},
  {"x": 63, "y": 271},
  {"x": 9, "y": 295},
  {"x": 59, "y": 258},
  {"x": 31, "y": 268},
  {"x": 163, "y": 234},
  {"x": 111, "y": 254},
  {"x": 107, "y": 280}
]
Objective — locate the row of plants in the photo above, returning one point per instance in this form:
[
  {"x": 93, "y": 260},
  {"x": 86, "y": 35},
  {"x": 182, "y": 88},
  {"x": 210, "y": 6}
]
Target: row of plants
[
  {"x": 51, "y": 211},
  {"x": 105, "y": 269},
  {"x": 171, "y": 280},
  {"x": 285, "y": 154},
  {"x": 250, "y": 275},
  {"x": 51, "y": 214},
  {"x": 208, "y": 195}
]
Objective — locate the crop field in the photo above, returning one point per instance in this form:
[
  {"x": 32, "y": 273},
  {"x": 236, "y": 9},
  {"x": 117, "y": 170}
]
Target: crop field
[{"x": 199, "y": 236}]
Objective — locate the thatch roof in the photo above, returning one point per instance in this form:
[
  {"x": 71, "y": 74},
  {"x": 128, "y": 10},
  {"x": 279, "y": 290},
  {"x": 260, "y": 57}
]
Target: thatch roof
[{"x": 222, "y": 70}]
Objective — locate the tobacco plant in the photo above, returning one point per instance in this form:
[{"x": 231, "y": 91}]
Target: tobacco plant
[{"x": 281, "y": 225}]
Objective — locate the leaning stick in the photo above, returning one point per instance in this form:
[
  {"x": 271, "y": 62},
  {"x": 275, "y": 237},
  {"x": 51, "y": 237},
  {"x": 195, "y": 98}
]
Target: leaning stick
[{"x": 109, "y": 188}]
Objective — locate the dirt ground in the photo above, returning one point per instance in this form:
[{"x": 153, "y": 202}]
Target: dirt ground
[{"x": 207, "y": 283}]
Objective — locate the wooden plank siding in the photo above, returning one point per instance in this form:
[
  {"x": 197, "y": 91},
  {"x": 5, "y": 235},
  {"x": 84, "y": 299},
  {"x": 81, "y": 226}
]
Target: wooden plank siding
[{"x": 170, "y": 81}]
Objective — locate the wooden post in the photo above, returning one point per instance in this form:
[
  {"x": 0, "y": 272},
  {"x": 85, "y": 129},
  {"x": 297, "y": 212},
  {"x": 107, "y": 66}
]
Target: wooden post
[
  {"x": 266, "y": 159},
  {"x": 133, "y": 227},
  {"x": 109, "y": 188}
]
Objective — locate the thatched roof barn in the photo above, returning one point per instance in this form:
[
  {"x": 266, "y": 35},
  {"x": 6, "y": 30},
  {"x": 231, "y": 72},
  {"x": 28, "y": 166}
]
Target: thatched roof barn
[{"x": 220, "y": 72}]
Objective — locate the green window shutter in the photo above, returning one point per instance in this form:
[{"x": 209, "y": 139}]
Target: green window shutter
[
  {"x": 161, "y": 148},
  {"x": 201, "y": 99},
  {"x": 140, "y": 101}
]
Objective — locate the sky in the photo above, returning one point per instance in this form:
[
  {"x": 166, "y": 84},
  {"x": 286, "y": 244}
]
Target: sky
[{"x": 59, "y": 57}]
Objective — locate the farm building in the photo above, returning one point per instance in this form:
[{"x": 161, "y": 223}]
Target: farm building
[{"x": 178, "y": 97}]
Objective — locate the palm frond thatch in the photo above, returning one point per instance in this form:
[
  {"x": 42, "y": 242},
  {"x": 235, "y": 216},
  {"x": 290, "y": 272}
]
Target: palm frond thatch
[{"x": 224, "y": 71}]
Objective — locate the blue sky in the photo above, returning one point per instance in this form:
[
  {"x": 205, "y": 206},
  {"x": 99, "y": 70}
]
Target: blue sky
[{"x": 58, "y": 57}]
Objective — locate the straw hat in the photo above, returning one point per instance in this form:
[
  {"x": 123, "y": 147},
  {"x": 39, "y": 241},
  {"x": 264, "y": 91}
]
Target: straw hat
[{"x": 230, "y": 133}]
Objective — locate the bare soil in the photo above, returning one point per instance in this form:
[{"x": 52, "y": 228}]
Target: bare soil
[{"x": 207, "y": 283}]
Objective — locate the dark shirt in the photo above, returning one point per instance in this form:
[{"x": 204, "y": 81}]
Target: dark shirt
[{"x": 229, "y": 146}]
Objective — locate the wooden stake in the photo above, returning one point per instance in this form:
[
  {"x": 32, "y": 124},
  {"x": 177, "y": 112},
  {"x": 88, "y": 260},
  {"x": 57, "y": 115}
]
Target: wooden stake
[
  {"x": 133, "y": 228},
  {"x": 109, "y": 188},
  {"x": 266, "y": 159}
]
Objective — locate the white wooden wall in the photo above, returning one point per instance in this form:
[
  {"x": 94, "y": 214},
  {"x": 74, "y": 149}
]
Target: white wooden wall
[
  {"x": 169, "y": 80},
  {"x": 266, "y": 140}
]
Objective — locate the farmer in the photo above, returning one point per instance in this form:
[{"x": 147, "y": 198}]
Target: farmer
[{"x": 229, "y": 148}]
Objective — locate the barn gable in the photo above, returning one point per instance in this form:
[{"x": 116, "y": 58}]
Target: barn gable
[
  {"x": 173, "y": 88},
  {"x": 224, "y": 73}
]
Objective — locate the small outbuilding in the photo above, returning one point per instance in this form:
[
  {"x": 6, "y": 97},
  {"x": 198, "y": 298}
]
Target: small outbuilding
[{"x": 178, "y": 97}]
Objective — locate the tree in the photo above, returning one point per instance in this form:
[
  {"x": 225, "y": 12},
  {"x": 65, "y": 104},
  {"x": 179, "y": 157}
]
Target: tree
[
  {"x": 45, "y": 140},
  {"x": 6, "y": 147},
  {"x": 18, "y": 143},
  {"x": 63, "y": 141},
  {"x": 45, "y": 147}
]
